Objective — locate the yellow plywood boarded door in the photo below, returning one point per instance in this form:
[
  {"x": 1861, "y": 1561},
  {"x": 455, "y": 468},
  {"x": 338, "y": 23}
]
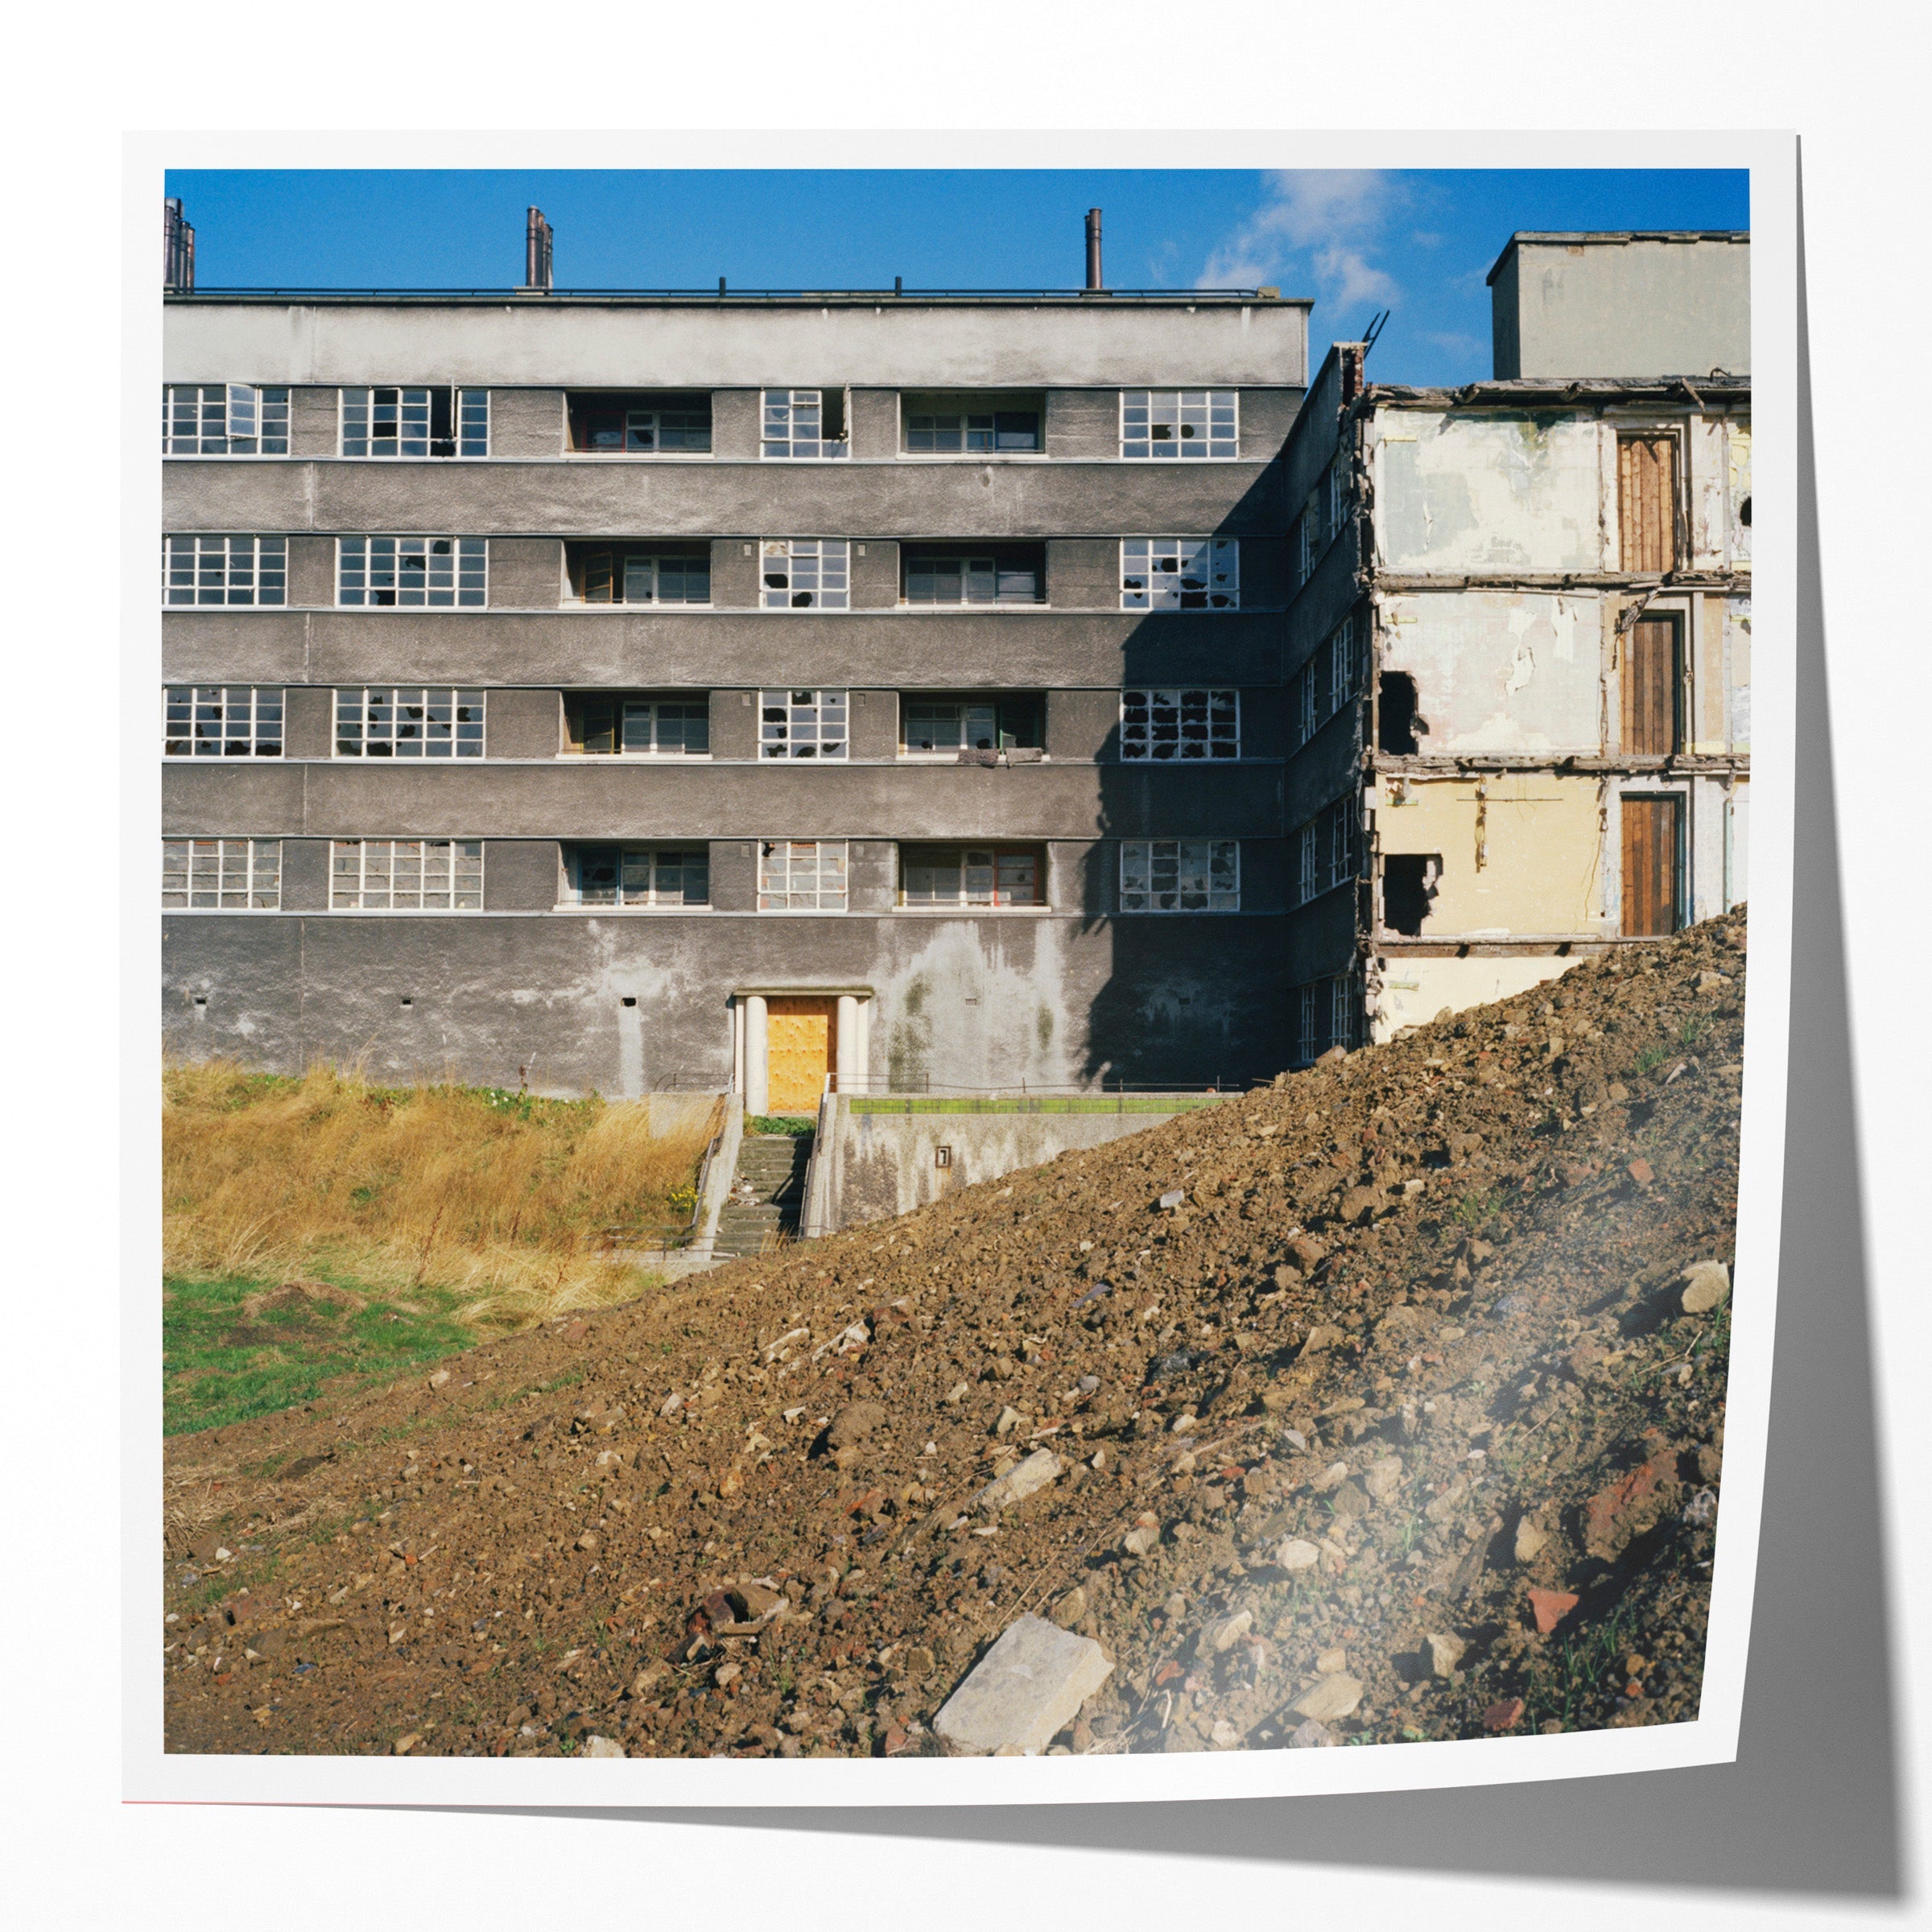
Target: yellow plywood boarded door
[{"x": 802, "y": 1037}]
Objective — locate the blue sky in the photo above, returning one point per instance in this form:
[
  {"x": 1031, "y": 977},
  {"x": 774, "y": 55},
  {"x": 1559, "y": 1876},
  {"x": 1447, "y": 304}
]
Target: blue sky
[{"x": 1418, "y": 243}]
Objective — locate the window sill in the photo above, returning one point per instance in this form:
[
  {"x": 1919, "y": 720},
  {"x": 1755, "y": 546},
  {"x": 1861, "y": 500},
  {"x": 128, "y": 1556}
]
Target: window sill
[
  {"x": 629, "y": 912},
  {"x": 638, "y": 455},
  {"x": 577, "y": 604},
  {"x": 965, "y": 910}
]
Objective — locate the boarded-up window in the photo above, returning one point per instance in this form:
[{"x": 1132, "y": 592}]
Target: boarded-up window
[
  {"x": 1651, "y": 844},
  {"x": 1653, "y": 673},
  {"x": 1646, "y": 489}
]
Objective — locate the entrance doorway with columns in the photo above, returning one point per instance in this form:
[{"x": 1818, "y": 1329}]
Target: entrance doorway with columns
[{"x": 790, "y": 1043}]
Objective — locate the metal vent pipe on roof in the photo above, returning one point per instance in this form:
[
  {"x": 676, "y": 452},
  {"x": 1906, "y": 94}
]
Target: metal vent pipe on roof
[
  {"x": 1093, "y": 249},
  {"x": 536, "y": 250},
  {"x": 177, "y": 250}
]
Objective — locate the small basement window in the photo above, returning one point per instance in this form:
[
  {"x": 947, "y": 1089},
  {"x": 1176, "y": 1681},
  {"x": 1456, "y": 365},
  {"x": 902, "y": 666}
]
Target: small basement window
[
  {"x": 1409, "y": 886},
  {"x": 972, "y": 875},
  {"x": 639, "y": 423}
]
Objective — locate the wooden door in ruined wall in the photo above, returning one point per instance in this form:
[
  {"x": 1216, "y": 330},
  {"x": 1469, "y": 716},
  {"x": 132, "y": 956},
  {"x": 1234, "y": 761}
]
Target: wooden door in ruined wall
[
  {"x": 1646, "y": 497},
  {"x": 1653, "y": 680},
  {"x": 802, "y": 1046},
  {"x": 1653, "y": 843}
]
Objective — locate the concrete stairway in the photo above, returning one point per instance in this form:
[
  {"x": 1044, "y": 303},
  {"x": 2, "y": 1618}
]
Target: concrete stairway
[{"x": 774, "y": 1164}]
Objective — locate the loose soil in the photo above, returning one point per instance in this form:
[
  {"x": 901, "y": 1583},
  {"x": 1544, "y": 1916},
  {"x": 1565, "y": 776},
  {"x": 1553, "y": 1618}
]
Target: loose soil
[{"x": 1420, "y": 1312}]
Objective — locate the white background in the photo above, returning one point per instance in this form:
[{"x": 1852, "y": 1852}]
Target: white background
[{"x": 81, "y": 1857}]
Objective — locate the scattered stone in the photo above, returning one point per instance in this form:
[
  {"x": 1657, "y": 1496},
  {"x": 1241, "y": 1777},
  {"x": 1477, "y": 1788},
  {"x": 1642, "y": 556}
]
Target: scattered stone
[
  {"x": 1550, "y": 1607},
  {"x": 1010, "y": 1419},
  {"x": 1332, "y": 1660},
  {"x": 1310, "y": 1734},
  {"x": 1224, "y": 1736},
  {"x": 853, "y": 1423},
  {"x": 1530, "y": 1539},
  {"x": 1640, "y": 1171},
  {"x": 1446, "y": 1651},
  {"x": 1706, "y": 1285},
  {"x": 1334, "y": 1697},
  {"x": 407, "y": 1743},
  {"x": 1071, "y": 1607},
  {"x": 1384, "y": 1478},
  {"x": 595, "y": 1746},
  {"x": 1295, "y": 1555},
  {"x": 1172, "y": 1199},
  {"x": 1504, "y": 1716},
  {"x": 1321, "y": 1339},
  {"x": 1140, "y": 1540},
  {"x": 1026, "y": 1689},
  {"x": 1224, "y": 1633},
  {"x": 1021, "y": 1481}
]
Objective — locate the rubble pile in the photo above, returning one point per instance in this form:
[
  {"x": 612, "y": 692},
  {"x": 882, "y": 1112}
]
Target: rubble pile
[{"x": 1385, "y": 1403}]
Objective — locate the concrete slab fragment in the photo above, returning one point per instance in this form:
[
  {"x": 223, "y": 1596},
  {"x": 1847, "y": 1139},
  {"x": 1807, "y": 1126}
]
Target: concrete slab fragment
[
  {"x": 1039, "y": 1469},
  {"x": 1028, "y": 1686}
]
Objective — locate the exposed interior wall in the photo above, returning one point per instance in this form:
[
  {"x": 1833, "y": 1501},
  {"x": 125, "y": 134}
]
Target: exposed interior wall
[
  {"x": 1521, "y": 851},
  {"x": 1413, "y": 991},
  {"x": 1498, "y": 670}
]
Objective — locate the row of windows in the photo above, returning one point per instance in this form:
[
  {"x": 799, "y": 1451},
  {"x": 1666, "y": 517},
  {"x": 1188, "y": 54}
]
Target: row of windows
[
  {"x": 795, "y": 573},
  {"x": 1330, "y": 679},
  {"x": 1326, "y": 849},
  {"x": 1319, "y": 523},
  {"x": 793, "y": 875},
  {"x": 1328, "y": 1013},
  {"x": 1160, "y": 725},
  {"x": 248, "y": 419}
]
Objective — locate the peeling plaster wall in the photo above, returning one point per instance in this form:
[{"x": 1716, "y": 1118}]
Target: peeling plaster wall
[
  {"x": 1737, "y": 650},
  {"x": 1413, "y": 991},
  {"x": 1543, "y": 838},
  {"x": 1461, "y": 492},
  {"x": 1499, "y": 670}
]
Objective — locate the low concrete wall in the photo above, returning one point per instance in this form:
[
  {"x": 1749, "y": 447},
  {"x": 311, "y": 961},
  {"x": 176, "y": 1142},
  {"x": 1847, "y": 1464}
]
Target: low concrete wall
[{"x": 877, "y": 1155}]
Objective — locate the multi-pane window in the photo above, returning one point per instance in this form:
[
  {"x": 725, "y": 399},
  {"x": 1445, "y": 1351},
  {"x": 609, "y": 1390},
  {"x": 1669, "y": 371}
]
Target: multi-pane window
[
  {"x": 224, "y": 420},
  {"x": 1326, "y": 849},
  {"x": 1180, "y": 724},
  {"x": 637, "y": 576},
  {"x": 221, "y": 875},
  {"x": 432, "y": 571},
  {"x": 427, "y": 422},
  {"x": 803, "y": 422},
  {"x": 406, "y": 875},
  {"x": 1180, "y": 875},
  {"x": 972, "y": 432},
  {"x": 940, "y": 579},
  {"x": 1328, "y": 1014},
  {"x": 945, "y": 727},
  {"x": 404, "y": 721},
  {"x": 808, "y": 573},
  {"x": 641, "y": 728},
  {"x": 971, "y": 875},
  {"x": 802, "y": 875},
  {"x": 1331, "y": 679},
  {"x": 225, "y": 570},
  {"x": 639, "y": 875},
  {"x": 618, "y": 429},
  {"x": 802, "y": 724},
  {"x": 223, "y": 721},
  {"x": 1180, "y": 422},
  {"x": 1180, "y": 573}
]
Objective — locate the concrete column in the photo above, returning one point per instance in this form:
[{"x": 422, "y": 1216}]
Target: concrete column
[
  {"x": 738, "y": 1048},
  {"x": 757, "y": 1082},
  {"x": 849, "y": 1065}
]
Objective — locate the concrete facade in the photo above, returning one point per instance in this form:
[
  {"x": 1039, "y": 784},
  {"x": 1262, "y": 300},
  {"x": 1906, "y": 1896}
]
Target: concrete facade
[
  {"x": 527, "y": 984},
  {"x": 1519, "y": 656}
]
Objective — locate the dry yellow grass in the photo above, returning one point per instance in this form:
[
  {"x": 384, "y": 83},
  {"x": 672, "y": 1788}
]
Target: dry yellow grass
[{"x": 503, "y": 1201}]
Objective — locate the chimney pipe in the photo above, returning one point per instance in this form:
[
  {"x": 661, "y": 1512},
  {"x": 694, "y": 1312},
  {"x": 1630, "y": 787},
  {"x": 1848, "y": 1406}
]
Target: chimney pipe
[
  {"x": 536, "y": 251},
  {"x": 1093, "y": 249},
  {"x": 177, "y": 250}
]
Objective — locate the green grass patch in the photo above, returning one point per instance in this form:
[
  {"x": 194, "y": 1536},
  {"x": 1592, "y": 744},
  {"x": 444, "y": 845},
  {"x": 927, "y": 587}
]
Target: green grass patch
[
  {"x": 800, "y": 1126},
  {"x": 237, "y": 1349}
]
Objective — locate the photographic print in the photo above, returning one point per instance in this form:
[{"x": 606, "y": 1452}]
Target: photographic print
[{"x": 953, "y": 967}]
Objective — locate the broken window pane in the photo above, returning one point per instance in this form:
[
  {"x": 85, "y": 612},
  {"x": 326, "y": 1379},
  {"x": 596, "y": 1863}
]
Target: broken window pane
[
  {"x": 1180, "y": 724},
  {"x": 803, "y": 422},
  {"x": 1180, "y": 573},
  {"x": 220, "y": 875},
  {"x": 969, "y": 875},
  {"x": 224, "y": 420},
  {"x": 431, "y": 421},
  {"x": 211, "y": 570},
  {"x": 397, "y": 721},
  {"x": 1180, "y": 875},
  {"x": 802, "y": 724},
  {"x": 406, "y": 875},
  {"x": 411, "y": 571},
  {"x": 639, "y": 875},
  {"x": 806, "y": 573},
  {"x": 1180, "y": 422},
  {"x": 802, "y": 875},
  {"x": 223, "y": 721},
  {"x": 636, "y": 727}
]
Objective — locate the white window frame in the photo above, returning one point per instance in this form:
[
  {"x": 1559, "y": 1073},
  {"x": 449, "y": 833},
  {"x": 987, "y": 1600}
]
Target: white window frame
[
  {"x": 1163, "y": 573},
  {"x": 1327, "y": 848},
  {"x": 973, "y": 858},
  {"x": 968, "y": 423},
  {"x": 800, "y": 732},
  {"x": 462, "y": 582},
  {"x": 643, "y": 569},
  {"x": 423, "y": 722},
  {"x": 1162, "y": 736},
  {"x": 982, "y": 575},
  {"x": 817, "y": 572},
  {"x": 221, "y": 875},
  {"x": 469, "y": 421},
  {"x": 457, "y": 864},
  {"x": 214, "y": 570},
  {"x": 638, "y": 421},
  {"x": 965, "y": 707},
  {"x": 208, "y": 405},
  {"x": 788, "y": 412},
  {"x": 1190, "y": 863},
  {"x": 649, "y": 740},
  {"x": 786, "y": 877},
  {"x": 1190, "y": 414},
  {"x": 1307, "y": 721},
  {"x": 641, "y": 870},
  {"x": 248, "y": 720}
]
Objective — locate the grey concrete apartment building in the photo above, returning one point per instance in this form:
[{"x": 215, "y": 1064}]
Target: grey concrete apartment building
[
  {"x": 636, "y": 692},
  {"x": 1518, "y": 647}
]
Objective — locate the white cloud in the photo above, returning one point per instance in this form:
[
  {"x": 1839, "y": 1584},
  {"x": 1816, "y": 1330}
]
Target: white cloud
[{"x": 1320, "y": 224}]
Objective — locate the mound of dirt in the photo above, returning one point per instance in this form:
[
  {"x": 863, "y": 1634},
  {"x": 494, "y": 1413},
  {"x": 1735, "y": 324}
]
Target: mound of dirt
[{"x": 1406, "y": 1422}]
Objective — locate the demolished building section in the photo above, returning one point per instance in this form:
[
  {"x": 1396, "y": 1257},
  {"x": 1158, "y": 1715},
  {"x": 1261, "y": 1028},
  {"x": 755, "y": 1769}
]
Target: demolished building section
[{"x": 1520, "y": 668}]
